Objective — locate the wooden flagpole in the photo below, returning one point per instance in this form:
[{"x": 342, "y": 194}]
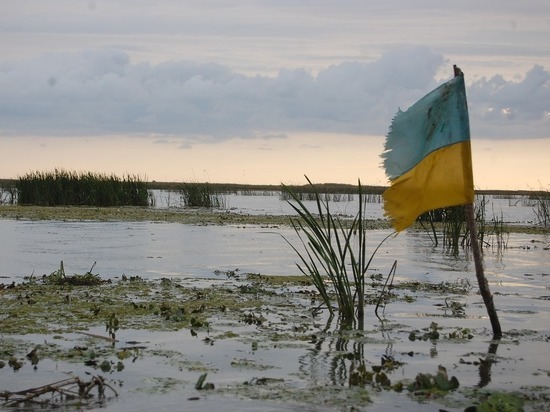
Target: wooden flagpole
[
  {"x": 481, "y": 279},
  {"x": 476, "y": 249}
]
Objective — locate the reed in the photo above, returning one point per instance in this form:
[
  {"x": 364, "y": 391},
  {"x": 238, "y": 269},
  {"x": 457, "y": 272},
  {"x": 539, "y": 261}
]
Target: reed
[
  {"x": 333, "y": 250},
  {"x": 63, "y": 188},
  {"x": 449, "y": 223},
  {"x": 454, "y": 228},
  {"x": 197, "y": 194},
  {"x": 500, "y": 232},
  {"x": 542, "y": 207},
  {"x": 454, "y": 231}
]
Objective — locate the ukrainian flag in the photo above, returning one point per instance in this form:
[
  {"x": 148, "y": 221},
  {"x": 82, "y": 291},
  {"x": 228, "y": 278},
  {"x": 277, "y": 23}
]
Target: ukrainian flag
[{"x": 427, "y": 155}]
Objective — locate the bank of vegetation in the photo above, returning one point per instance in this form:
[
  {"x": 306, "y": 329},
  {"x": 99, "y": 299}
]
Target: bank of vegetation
[
  {"x": 69, "y": 188},
  {"x": 9, "y": 185}
]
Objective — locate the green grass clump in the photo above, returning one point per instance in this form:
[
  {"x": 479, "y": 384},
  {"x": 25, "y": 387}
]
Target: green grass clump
[
  {"x": 197, "y": 194},
  {"x": 63, "y": 188},
  {"x": 334, "y": 250}
]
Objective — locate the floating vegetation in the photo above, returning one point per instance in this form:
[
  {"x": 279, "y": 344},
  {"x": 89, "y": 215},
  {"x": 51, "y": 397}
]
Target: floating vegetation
[
  {"x": 339, "y": 367},
  {"x": 427, "y": 385},
  {"x": 498, "y": 401},
  {"x": 459, "y": 287},
  {"x": 375, "y": 375},
  {"x": 60, "y": 187},
  {"x": 61, "y": 303},
  {"x": 60, "y": 278}
]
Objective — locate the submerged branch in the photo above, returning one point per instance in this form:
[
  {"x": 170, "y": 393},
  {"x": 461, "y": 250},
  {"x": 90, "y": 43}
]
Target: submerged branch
[{"x": 71, "y": 387}]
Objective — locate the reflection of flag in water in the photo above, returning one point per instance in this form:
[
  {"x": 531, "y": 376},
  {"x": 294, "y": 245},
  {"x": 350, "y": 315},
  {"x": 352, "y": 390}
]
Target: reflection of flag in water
[{"x": 427, "y": 155}]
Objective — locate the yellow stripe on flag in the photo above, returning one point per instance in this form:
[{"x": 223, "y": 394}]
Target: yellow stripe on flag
[{"x": 442, "y": 178}]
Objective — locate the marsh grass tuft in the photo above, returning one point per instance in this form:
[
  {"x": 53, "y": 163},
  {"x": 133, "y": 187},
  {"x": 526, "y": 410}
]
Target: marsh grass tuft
[
  {"x": 450, "y": 224},
  {"x": 198, "y": 194},
  {"x": 500, "y": 233},
  {"x": 335, "y": 250},
  {"x": 63, "y": 188},
  {"x": 454, "y": 228},
  {"x": 452, "y": 221},
  {"x": 542, "y": 207}
]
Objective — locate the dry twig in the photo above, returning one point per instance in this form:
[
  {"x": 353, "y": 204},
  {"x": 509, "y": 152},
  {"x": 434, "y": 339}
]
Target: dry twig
[{"x": 71, "y": 388}]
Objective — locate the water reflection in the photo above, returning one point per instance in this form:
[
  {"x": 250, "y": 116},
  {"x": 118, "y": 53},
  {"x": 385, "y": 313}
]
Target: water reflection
[
  {"x": 485, "y": 365},
  {"x": 345, "y": 357},
  {"x": 355, "y": 358}
]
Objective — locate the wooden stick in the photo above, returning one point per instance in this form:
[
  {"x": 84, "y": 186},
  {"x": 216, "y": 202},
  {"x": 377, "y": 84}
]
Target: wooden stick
[
  {"x": 480, "y": 274},
  {"x": 476, "y": 249}
]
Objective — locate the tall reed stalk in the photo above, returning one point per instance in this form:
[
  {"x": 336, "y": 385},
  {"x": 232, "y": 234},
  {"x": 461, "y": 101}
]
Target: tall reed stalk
[{"x": 336, "y": 251}]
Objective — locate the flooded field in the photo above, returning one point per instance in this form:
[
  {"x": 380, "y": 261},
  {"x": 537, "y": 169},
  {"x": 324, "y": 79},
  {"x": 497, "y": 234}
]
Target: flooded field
[{"x": 220, "y": 300}]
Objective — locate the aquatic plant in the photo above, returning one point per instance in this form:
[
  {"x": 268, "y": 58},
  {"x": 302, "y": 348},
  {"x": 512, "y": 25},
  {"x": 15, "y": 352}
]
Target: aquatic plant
[
  {"x": 542, "y": 207},
  {"x": 480, "y": 206},
  {"x": 501, "y": 401},
  {"x": 62, "y": 187},
  {"x": 500, "y": 232},
  {"x": 197, "y": 194},
  {"x": 60, "y": 278},
  {"x": 337, "y": 367},
  {"x": 332, "y": 249},
  {"x": 433, "y": 385},
  {"x": 449, "y": 223},
  {"x": 454, "y": 228}
]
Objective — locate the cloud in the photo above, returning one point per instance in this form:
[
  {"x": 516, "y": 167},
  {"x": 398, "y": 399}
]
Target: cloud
[
  {"x": 102, "y": 92},
  {"x": 510, "y": 109}
]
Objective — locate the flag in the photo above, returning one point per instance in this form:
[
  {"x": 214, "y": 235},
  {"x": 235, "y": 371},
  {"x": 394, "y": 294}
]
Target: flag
[{"x": 427, "y": 155}]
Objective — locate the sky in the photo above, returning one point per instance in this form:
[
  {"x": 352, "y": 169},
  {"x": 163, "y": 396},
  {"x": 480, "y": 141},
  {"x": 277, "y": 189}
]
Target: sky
[{"x": 266, "y": 92}]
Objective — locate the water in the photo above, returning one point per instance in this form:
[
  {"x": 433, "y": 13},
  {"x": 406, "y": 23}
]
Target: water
[
  {"x": 146, "y": 249},
  {"x": 156, "y": 250},
  {"x": 511, "y": 209},
  {"x": 519, "y": 278}
]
